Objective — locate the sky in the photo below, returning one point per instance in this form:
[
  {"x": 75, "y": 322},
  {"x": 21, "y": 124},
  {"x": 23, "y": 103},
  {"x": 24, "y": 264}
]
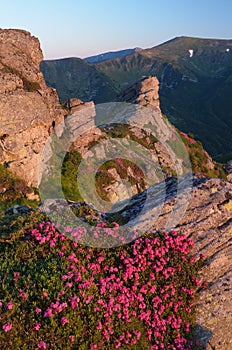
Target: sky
[{"x": 81, "y": 28}]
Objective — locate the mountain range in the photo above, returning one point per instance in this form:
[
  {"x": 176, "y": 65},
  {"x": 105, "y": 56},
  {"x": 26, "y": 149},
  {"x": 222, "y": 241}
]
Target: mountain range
[{"x": 195, "y": 84}]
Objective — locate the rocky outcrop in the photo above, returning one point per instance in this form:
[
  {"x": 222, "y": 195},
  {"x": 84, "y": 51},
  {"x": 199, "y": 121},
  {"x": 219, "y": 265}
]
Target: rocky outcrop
[
  {"x": 144, "y": 92},
  {"x": 29, "y": 110},
  {"x": 208, "y": 221}
]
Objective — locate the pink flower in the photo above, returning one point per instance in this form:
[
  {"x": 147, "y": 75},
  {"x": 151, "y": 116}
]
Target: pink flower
[
  {"x": 68, "y": 284},
  {"x": 41, "y": 345},
  {"x": 61, "y": 293},
  {"x": 22, "y": 294},
  {"x": 7, "y": 327},
  {"x": 74, "y": 301},
  {"x": 45, "y": 294},
  {"x": 37, "y": 310},
  {"x": 48, "y": 313},
  {"x": 64, "y": 320},
  {"x": 37, "y": 326},
  {"x": 52, "y": 243},
  {"x": 99, "y": 326},
  {"x": 89, "y": 298},
  {"x": 9, "y": 305},
  {"x": 72, "y": 337},
  {"x": 117, "y": 344}
]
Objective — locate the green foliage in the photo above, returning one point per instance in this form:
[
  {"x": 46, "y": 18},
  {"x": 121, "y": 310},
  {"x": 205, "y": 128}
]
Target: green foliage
[
  {"x": 13, "y": 190},
  {"x": 13, "y": 227}
]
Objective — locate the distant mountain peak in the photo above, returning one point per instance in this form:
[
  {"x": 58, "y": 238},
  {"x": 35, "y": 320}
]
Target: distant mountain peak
[{"x": 111, "y": 55}]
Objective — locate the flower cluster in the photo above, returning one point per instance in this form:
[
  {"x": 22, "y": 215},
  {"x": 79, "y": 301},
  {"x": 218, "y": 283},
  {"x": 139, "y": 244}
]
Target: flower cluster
[{"x": 141, "y": 295}]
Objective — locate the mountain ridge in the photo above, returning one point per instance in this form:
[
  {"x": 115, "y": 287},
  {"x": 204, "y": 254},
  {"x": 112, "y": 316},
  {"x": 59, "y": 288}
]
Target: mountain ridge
[
  {"x": 111, "y": 55},
  {"x": 195, "y": 77}
]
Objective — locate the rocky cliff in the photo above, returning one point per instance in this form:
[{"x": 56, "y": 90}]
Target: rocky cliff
[{"x": 29, "y": 110}]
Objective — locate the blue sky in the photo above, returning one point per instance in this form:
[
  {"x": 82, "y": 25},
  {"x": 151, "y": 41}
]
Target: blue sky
[{"x": 86, "y": 27}]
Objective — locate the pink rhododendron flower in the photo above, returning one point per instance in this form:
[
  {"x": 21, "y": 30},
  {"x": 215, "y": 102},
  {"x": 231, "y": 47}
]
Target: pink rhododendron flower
[
  {"x": 64, "y": 320},
  {"x": 37, "y": 326},
  {"x": 7, "y": 327},
  {"x": 10, "y": 305},
  {"x": 72, "y": 338},
  {"x": 48, "y": 313},
  {"x": 42, "y": 345},
  {"x": 22, "y": 294}
]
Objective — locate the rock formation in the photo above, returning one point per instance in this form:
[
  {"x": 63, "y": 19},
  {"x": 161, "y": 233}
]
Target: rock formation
[
  {"x": 29, "y": 110},
  {"x": 144, "y": 92}
]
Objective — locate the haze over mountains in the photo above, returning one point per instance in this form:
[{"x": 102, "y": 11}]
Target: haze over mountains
[{"x": 195, "y": 84}]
